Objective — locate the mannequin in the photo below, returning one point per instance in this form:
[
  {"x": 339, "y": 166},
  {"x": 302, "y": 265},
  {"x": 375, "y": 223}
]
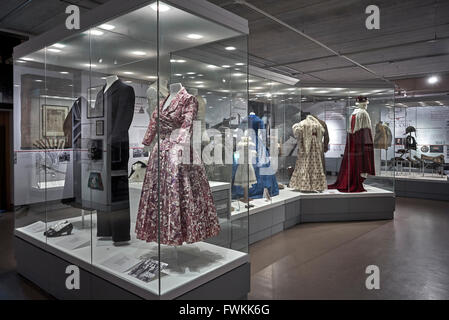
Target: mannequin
[
  {"x": 118, "y": 100},
  {"x": 174, "y": 89},
  {"x": 358, "y": 159},
  {"x": 110, "y": 81}
]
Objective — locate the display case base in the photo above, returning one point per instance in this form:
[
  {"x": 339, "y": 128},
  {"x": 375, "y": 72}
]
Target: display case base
[
  {"x": 290, "y": 208},
  {"x": 421, "y": 187},
  {"x": 48, "y": 271}
]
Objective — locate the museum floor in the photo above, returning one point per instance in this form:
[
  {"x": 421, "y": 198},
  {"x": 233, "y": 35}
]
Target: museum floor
[{"x": 324, "y": 260}]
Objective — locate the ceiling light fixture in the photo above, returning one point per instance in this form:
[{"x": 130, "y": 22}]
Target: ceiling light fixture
[
  {"x": 139, "y": 53},
  {"x": 230, "y": 48},
  {"x": 152, "y": 77},
  {"x": 96, "y": 32},
  {"x": 54, "y": 50},
  {"x": 225, "y": 66},
  {"x": 90, "y": 65},
  {"x": 59, "y": 45},
  {"x": 190, "y": 73},
  {"x": 107, "y": 27},
  {"x": 239, "y": 64},
  {"x": 28, "y": 59},
  {"x": 63, "y": 72},
  {"x": 432, "y": 80},
  {"x": 211, "y": 66},
  {"x": 162, "y": 7},
  {"x": 195, "y": 36},
  {"x": 128, "y": 72}
]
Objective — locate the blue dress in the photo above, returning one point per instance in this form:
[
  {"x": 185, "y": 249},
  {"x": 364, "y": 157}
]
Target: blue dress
[{"x": 266, "y": 177}]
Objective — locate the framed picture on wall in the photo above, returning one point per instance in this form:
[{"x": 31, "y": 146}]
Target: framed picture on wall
[
  {"x": 53, "y": 118},
  {"x": 99, "y": 125},
  {"x": 95, "y": 108}
]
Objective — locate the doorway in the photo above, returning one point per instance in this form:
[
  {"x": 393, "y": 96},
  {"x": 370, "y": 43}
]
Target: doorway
[{"x": 5, "y": 160}]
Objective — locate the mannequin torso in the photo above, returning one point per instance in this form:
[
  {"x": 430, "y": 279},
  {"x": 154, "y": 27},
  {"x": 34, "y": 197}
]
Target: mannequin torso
[
  {"x": 174, "y": 89},
  {"x": 109, "y": 81}
]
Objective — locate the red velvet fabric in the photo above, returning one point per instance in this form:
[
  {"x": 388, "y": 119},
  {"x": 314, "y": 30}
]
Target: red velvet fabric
[{"x": 358, "y": 158}]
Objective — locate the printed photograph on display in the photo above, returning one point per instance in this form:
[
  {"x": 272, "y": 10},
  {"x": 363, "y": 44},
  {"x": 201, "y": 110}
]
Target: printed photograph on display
[{"x": 53, "y": 118}]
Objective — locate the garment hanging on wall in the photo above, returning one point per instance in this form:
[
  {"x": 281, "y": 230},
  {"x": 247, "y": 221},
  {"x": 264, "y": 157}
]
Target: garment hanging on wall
[
  {"x": 187, "y": 210},
  {"x": 382, "y": 137},
  {"x": 118, "y": 102},
  {"x": 265, "y": 175},
  {"x": 309, "y": 174},
  {"x": 359, "y": 154}
]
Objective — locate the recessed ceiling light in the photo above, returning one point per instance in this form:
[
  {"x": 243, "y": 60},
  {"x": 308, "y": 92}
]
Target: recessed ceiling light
[
  {"x": 199, "y": 82},
  {"x": 152, "y": 77},
  {"x": 21, "y": 61},
  {"x": 225, "y": 66},
  {"x": 90, "y": 65},
  {"x": 238, "y": 74},
  {"x": 199, "y": 74},
  {"x": 139, "y": 53},
  {"x": 104, "y": 78},
  {"x": 190, "y": 73},
  {"x": 211, "y": 66},
  {"x": 178, "y": 74},
  {"x": 180, "y": 61},
  {"x": 63, "y": 72},
  {"x": 230, "y": 48},
  {"x": 107, "y": 27},
  {"x": 38, "y": 80},
  {"x": 28, "y": 59},
  {"x": 239, "y": 64},
  {"x": 54, "y": 50},
  {"x": 194, "y": 36},
  {"x": 128, "y": 72},
  {"x": 433, "y": 80},
  {"x": 95, "y": 32},
  {"x": 128, "y": 81},
  {"x": 162, "y": 7},
  {"x": 58, "y": 45},
  {"x": 322, "y": 91},
  {"x": 291, "y": 89}
]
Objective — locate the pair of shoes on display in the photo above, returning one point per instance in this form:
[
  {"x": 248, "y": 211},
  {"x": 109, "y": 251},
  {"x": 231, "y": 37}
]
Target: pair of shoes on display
[{"x": 64, "y": 227}]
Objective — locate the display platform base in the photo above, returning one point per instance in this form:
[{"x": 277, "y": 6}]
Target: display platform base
[
  {"x": 432, "y": 188},
  {"x": 195, "y": 271},
  {"x": 290, "y": 208}
]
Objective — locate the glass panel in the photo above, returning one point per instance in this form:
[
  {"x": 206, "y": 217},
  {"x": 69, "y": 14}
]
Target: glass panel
[
  {"x": 30, "y": 146},
  {"x": 123, "y": 94},
  {"x": 203, "y": 223}
]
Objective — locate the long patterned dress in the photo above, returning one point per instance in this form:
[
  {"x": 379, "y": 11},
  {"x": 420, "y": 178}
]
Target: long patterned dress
[
  {"x": 309, "y": 175},
  {"x": 187, "y": 211}
]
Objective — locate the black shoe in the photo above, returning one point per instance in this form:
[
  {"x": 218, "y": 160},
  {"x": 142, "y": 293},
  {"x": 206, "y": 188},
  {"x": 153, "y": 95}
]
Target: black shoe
[{"x": 59, "y": 229}]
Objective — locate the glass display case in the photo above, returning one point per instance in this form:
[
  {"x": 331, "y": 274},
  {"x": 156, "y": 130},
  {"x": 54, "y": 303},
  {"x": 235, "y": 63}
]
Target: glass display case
[
  {"x": 360, "y": 131},
  {"x": 421, "y": 143},
  {"x": 125, "y": 141}
]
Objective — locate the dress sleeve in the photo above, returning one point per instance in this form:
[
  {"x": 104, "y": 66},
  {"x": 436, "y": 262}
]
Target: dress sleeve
[
  {"x": 189, "y": 113},
  {"x": 296, "y": 130},
  {"x": 151, "y": 131}
]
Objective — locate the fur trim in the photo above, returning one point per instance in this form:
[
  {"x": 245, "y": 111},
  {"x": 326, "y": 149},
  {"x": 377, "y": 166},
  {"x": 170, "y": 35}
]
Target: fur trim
[{"x": 362, "y": 121}]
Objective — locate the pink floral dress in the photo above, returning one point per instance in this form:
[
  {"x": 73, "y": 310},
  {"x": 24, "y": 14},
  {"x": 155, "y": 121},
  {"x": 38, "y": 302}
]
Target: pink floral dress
[{"x": 187, "y": 210}]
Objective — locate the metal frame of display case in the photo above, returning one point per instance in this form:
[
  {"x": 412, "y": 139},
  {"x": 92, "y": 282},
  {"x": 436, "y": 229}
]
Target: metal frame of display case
[{"x": 46, "y": 265}]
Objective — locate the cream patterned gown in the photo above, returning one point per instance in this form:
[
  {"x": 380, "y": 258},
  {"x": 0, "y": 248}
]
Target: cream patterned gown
[{"x": 309, "y": 175}]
